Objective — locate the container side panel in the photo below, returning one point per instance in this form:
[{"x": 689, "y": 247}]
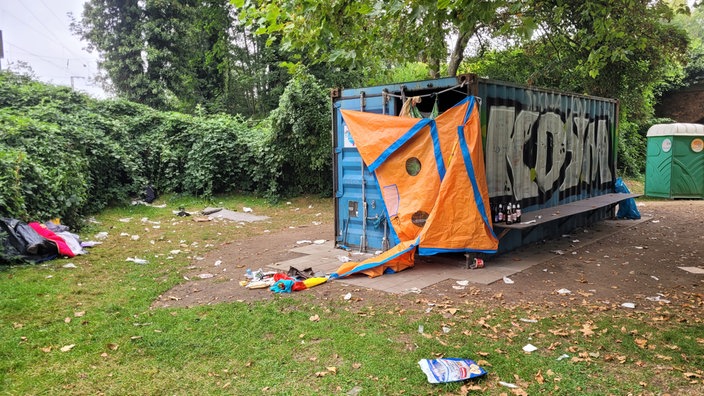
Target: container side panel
[{"x": 546, "y": 148}]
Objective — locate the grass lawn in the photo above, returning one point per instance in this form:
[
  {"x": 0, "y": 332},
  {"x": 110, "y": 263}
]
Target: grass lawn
[{"x": 90, "y": 329}]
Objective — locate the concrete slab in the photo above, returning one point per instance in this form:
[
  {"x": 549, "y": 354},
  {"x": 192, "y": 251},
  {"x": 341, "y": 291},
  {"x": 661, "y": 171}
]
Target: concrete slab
[
  {"x": 693, "y": 270},
  {"x": 434, "y": 269},
  {"x": 236, "y": 216}
]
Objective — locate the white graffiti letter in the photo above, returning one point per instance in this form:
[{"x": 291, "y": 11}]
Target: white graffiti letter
[
  {"x": 550, "y": 123},
  {"x": 499, "y": 128}
]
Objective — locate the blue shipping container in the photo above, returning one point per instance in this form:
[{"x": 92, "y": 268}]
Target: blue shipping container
[{"x": 543, "y": 148}]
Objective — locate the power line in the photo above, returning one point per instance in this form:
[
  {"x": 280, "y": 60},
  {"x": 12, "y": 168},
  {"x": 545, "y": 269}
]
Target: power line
[{"x": 46, "y": 28}]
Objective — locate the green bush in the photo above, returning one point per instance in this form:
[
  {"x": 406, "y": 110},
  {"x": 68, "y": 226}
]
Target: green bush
[
  {"x": 301, "y": 137},
  {"x": 63, "y": 154}
]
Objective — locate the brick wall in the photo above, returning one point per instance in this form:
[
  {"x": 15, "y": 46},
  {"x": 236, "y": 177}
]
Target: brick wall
[{"x": 686, "y": 105}]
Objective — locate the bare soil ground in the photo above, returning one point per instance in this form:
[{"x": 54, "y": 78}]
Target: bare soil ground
[{"x": 638, "y": 262}]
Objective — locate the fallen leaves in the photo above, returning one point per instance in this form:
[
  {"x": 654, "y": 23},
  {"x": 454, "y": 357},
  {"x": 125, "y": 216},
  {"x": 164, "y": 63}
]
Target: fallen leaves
[
  {"x": 588, "y": 329},
  {"x": 328, "y": 370}
]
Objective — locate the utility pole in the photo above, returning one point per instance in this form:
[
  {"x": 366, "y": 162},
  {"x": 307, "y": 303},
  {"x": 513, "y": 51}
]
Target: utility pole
[
  {"x": 2, "y": 50},
  {"x": 72, "y": 79}
]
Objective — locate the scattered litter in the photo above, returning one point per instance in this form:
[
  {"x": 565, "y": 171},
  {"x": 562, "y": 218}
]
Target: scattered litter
[
  {"x": 317, "y": 223},
  {"x": 420, "y": 329},
  {"x": 463, "y": 282},
  {"x": 658, "y": 298},
  {"x": 261, "y": 284},
  {"x": 508, "y": 281},
  {"x": 303, "y": 242},
  {"x": 412, "y": 290},
  {"x": 101, "y": 235},
  {"x": 136, "y": 260},
  {"x": 175, "y": 251},
  {"x": 528, "y": 320},
  {"x": 563, "y": 357},
  {"x": 692, "y": 270},
  {"x": 218, "y": 262},
  {"x": 639, "y": 247},
  {"x": 529, "y": 222},
  {"x": 354, "y": 391},
  {"x": 205, "y": 276},
  {"x": 90, "y": 243},
  {"x": 247, "y": 210},
  {"x": 343, "y": 259},
  {"x": 69, "y": 265},
  {"x": 477, "y": 263},
  {"x": 450, "y": 369},
  {"x": 458, "y": 287},
  {"x": 656, "y": 221},
  {"x": 628, "y": 305},
  {"x": 134, "y": 237},
  {"x": 288, "y": 202},
  {"x": 125, "y": 219},
  {"x": 575, "y": 241},
  {"x": 348, "y": 296},
  {"x": 124, "y": 234},
  {"x": 558, "y": 252},
  {"x": 655, "y": 277},
  {"x": 563, "y": 292},
  {"x": 530, "y": 348},
  {"x": 378, "y": 252},
  {"x": 508, "y": 385},
  {"x": 319, "y": 241}
]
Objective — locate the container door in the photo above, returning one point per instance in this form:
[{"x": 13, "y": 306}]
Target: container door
[
  {"x": 658, "y": 167},
  {"x": 687, "y": 167}
]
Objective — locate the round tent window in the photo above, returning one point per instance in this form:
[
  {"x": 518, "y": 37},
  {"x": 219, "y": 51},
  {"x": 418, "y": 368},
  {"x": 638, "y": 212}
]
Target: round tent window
[
  {"x": 413, "y": 166},
  {"x": 697, "y": 145},
  {"x": 419, "y": 218},
  {"x": 666, "y": 145}
]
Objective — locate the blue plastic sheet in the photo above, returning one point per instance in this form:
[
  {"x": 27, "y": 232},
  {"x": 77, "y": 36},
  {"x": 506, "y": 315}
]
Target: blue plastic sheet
[{"x": 627, "y": 208}]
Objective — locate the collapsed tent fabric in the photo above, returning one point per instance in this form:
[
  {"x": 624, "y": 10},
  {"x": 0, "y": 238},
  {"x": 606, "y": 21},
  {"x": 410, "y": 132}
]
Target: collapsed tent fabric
[
  {"x": 19, "y": 241},
  {"x": 433, "y": 182},
  {"x": 64, "y": 249}
]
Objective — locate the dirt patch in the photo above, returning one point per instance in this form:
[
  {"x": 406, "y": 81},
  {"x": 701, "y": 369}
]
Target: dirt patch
[{"x": 636, "y": 265}]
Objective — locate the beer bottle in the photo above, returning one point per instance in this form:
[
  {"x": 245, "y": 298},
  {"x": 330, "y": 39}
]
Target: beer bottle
[
  {"x": 509, "y": 217},
  {"x": 518, "y": 212},
  {"x": 500, "y": 214}
]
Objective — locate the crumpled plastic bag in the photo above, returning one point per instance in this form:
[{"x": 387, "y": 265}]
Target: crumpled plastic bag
[
  {"x": 627, "y": 208},
  {"x": 450, "y": 369},
  {"x": 283, "y": 286}
]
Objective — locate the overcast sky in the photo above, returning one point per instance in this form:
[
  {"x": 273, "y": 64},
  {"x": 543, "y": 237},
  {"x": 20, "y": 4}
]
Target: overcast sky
[{"x": 37, "y": 32}]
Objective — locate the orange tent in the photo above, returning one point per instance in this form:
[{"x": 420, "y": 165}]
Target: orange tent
[{"x": 432, "y": 179}]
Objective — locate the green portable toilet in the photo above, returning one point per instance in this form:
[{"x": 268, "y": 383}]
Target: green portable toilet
[{"x": 675, "y": 164}]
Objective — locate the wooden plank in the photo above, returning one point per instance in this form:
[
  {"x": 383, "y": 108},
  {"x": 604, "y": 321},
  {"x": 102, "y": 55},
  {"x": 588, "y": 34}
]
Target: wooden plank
[{"x": 542, "y": 216}]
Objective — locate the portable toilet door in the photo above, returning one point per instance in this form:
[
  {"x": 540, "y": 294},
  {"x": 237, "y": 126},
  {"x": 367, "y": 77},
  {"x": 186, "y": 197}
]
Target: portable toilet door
[{"x": 675, "y": 162}]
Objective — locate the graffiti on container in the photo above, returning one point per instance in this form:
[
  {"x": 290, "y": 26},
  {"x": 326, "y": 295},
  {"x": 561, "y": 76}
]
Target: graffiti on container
[{"x": 539, "y": 148}]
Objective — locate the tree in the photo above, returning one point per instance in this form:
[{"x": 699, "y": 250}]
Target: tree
[
  {"x": 361, "y": 34},
  {"x": 183, "y": 55}
]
